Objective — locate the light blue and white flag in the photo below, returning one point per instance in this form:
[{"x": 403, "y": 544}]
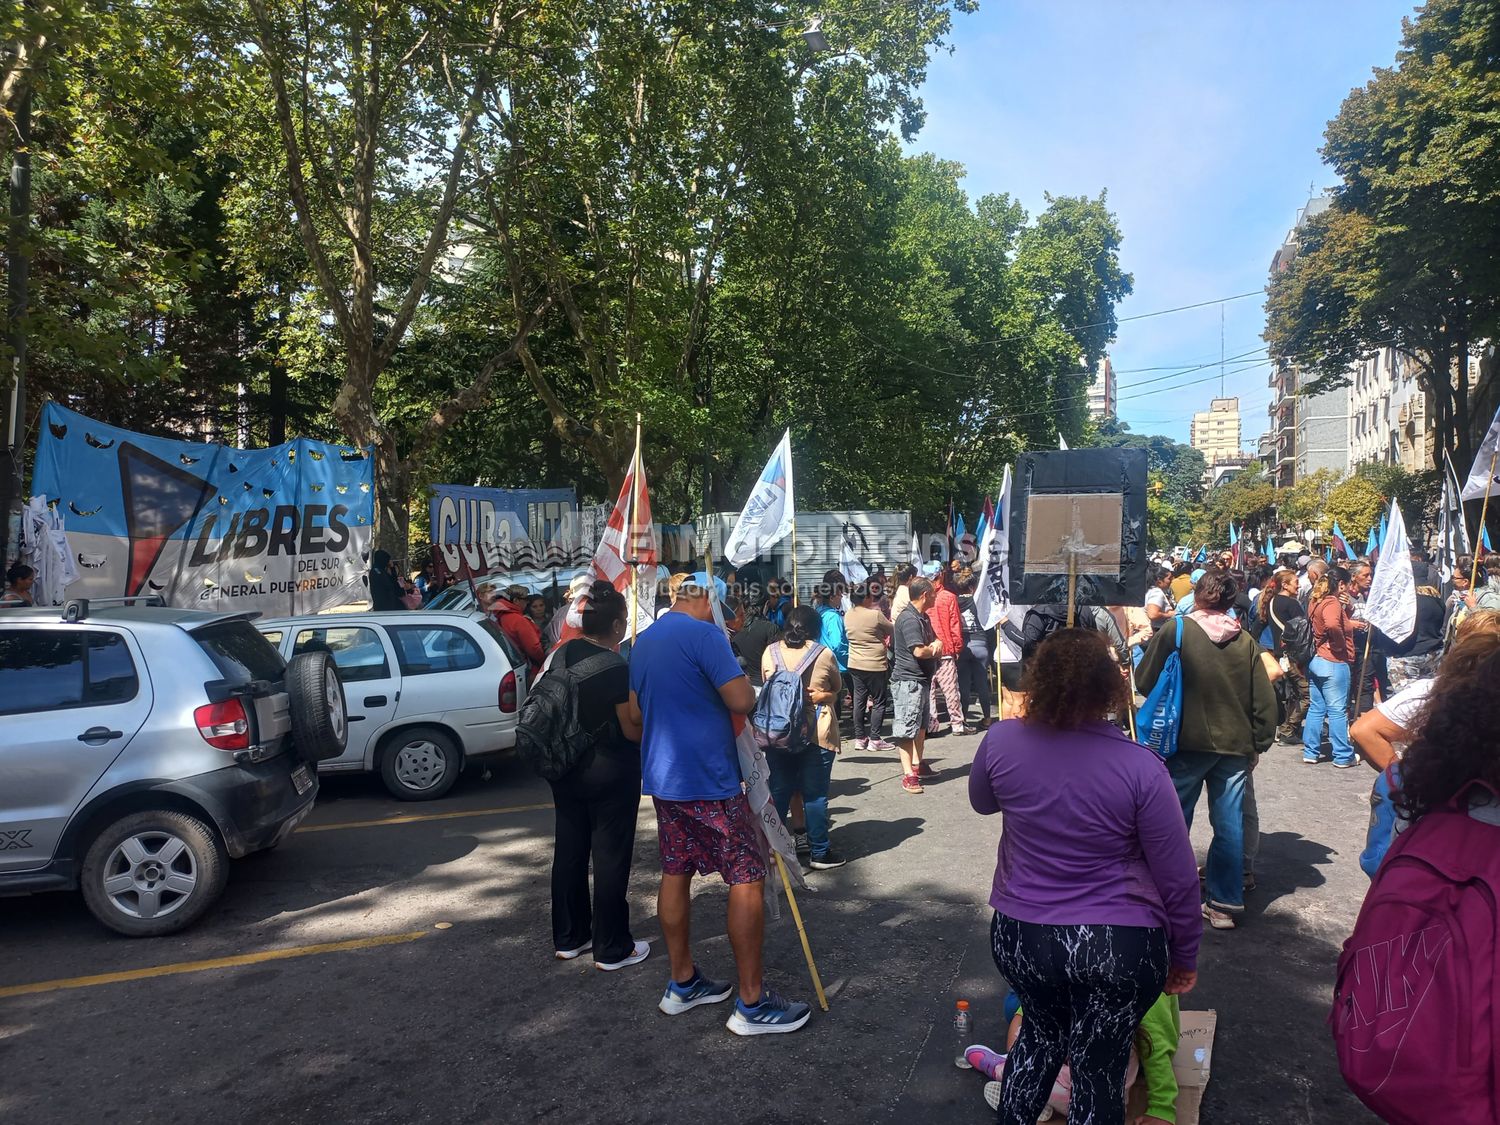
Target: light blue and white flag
[
  {"x": 770, "y": 511},
  {"x": 992, "y": 590}
]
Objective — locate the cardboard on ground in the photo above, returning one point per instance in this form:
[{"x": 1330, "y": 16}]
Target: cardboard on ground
[
  {"x": 1077, "y": 528},
  {"x": 1191, "y": 1064}
]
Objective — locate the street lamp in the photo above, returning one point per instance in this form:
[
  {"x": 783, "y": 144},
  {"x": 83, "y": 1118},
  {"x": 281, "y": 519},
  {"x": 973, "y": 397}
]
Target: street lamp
[{"x": 813, "y": 35}]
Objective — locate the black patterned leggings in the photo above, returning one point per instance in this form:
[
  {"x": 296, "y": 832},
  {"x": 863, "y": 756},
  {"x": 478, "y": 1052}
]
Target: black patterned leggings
[{"x": 1083, "y": 992}]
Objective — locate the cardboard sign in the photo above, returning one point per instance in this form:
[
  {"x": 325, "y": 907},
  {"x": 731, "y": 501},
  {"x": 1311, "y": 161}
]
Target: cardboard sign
[
  {"x": 1191, "y": 1066},
  {"x": 1081, "y": 511},
  {"x": 283, "y": 530}
]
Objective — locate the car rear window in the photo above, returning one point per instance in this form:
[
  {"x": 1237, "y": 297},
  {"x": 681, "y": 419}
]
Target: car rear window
[
  {"x": 49, "y": 669},
  {"x": 240, "y": 653},
  {"x": 507, "y": 646},
  {"x": 423, "y": 649},
  {"x": 356, "y": 651}
]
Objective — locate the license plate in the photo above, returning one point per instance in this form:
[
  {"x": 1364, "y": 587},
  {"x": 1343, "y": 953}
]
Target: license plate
[{"x": 302, "y": 779}]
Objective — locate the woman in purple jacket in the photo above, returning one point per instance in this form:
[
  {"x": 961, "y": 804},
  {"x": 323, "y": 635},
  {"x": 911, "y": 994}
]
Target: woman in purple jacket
[{"x": 1096, "y": 888}]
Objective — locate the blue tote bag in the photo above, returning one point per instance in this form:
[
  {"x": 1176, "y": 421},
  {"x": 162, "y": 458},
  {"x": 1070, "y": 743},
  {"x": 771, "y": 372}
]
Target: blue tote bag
[{"x": 1160, "y": 718}]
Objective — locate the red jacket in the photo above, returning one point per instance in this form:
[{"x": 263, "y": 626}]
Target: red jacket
[
  {"x": 946, "y": 623},
  {"x": 522, "y": 630}
]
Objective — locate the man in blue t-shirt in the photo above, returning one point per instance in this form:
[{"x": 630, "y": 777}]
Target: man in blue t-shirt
[{"x": 687, "y": 686}]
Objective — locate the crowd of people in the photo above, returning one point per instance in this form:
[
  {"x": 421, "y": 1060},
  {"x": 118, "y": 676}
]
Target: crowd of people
[{"x": 1099, "y": 902}]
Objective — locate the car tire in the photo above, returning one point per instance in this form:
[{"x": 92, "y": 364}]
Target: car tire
[
  {"x": 320, "y": 715},
  {"x": 420, "y": 764},
  {"x": 153, "y": 873}
]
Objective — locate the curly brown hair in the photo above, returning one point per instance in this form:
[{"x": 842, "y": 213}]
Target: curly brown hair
[
  {"x": 1073, "y": 679},
  {"x": 1455, "y": 740}
]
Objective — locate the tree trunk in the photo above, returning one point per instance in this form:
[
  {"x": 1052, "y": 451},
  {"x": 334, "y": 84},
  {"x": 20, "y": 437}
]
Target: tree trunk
[
  {"x": 1464, "y": 446},
  {"x": 392, "y": 488}
]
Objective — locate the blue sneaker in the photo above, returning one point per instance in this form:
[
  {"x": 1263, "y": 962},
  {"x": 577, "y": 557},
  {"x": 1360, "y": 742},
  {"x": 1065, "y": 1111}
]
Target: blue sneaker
[
  {"x": 772, "y": 1016},
  {"x": 679, "y": 998}
]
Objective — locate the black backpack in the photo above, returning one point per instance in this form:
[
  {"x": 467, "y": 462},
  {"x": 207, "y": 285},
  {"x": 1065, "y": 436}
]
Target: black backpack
[
  {"x": 1296, "y": 638},
  {"x": 550, "y": 737}
]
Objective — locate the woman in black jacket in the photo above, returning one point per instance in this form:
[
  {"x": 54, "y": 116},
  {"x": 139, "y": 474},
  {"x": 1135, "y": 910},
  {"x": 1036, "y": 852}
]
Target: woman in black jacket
[
  {"x": 598, "y": 802},
  {"x": 384, "y": 592},
  {"x": 1416, "y": 658}
]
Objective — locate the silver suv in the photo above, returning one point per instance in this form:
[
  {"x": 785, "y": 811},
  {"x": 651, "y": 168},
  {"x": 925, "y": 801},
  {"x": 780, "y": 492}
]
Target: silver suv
[{"x": 141, "y": 747}]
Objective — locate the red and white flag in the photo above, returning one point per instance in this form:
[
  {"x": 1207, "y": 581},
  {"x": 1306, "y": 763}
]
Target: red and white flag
[{"x": 627, "y": 551}]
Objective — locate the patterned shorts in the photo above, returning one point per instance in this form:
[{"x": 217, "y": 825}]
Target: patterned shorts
[{"x": 709, "y": 836}]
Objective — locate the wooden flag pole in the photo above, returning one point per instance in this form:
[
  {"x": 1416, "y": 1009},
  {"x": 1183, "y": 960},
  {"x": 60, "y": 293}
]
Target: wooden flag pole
[
  {"x": 635, "y": 574},
  {"x": 1484, "y": 510},
  {"x": 1072, "y": 586},
  {"x": 812, "y": 967}
]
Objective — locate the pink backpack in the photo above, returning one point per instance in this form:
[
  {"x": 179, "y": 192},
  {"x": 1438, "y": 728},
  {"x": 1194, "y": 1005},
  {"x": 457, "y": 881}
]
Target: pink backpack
[{"x": 1416, "y": 1006}]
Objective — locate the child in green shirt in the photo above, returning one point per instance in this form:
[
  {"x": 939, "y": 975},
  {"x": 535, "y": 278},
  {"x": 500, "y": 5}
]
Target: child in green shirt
[{"x": 1155, "y": 1044}]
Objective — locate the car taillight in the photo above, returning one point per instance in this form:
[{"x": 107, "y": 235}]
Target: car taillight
[
  {"x": 508, "y": 693},
  {"x": 225, "y": 725}
]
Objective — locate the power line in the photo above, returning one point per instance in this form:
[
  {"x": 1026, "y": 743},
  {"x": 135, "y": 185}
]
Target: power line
[
  {"x": 888, "y": 350},
  {"x": 1137, "y": 316}
]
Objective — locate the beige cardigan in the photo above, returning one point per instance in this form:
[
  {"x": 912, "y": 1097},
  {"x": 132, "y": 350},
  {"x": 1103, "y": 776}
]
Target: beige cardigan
[{"x": 823, "y": 676}]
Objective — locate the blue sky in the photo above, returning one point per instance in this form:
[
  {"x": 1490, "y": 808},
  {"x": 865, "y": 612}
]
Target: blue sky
[{"x": 1203, "y": 122}]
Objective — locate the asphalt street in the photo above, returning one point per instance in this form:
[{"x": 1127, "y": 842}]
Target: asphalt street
[{"x": 392, "y": 962}]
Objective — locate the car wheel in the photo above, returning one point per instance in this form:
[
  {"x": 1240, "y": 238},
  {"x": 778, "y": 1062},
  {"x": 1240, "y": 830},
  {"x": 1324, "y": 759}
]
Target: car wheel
[
  {"x": 320, "y": 717},
  {"x": 153, "y": 873},
  {"x": 420, "y": 764}
]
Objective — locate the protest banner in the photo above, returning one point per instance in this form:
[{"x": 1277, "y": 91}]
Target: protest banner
[{"x": 282, "y": 530}]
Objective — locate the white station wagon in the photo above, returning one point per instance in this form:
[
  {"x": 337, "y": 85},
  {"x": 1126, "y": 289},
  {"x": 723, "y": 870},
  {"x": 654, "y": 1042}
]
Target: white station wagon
[{"x": 426, "y": 691}]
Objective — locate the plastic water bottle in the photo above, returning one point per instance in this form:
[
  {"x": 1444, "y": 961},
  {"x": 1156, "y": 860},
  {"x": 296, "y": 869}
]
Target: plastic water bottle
[{"x": 963, "y": 1034}]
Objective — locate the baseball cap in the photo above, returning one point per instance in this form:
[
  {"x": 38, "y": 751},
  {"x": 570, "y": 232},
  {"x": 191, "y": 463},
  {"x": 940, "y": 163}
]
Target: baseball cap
[
  {"x": 932, "y": 569},
  {"x": 1197, "y": 574}
]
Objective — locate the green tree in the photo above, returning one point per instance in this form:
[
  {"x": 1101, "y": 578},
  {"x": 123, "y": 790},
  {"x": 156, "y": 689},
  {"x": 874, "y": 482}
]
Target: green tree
[
  {"x": 622, "y": 179},
  {"x": 1304, "y": 504},
  {"x": 1167, "y": 524},
  {"x": 1247, "y": 499},
  {"x": 1356, "y": 503},
  {"x": 1418, "y": 493},
  {"x": 1404, "y": 256},
  {"x": 373, "y": 108}
]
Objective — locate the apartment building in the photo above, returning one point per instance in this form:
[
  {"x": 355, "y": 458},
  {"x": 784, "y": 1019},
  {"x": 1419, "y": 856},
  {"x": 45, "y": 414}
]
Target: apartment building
[
  {"x": 1102, "y": 392},
  {"x": 1307, "y": 432},
  {"x": 1215, "y": 432}
]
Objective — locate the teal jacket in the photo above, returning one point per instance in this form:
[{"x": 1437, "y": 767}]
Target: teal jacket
[{"x": 834, "y": 637}]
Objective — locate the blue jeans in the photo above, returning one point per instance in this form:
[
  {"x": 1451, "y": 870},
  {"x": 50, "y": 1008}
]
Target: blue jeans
[
  {"x": 1226, "y": 775},
  {"x": 1382, "y": 829},
  {"x": 806, "y": 772},
  {"x": 1328, "y": 698}
]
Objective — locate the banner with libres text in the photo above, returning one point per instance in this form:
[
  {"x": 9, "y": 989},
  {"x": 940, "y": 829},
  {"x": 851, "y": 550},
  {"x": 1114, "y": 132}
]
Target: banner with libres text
[{"x": 282, "y": 530}]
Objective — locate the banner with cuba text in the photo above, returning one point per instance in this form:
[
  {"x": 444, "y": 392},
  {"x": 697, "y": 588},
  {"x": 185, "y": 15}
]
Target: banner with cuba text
[{"x": 281, "y": 530}]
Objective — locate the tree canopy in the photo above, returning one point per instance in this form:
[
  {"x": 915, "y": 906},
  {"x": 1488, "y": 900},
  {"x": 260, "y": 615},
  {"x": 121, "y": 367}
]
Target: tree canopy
[
  {"x": 1404, "y": 256},
  {"x": 481, "y": 239}
]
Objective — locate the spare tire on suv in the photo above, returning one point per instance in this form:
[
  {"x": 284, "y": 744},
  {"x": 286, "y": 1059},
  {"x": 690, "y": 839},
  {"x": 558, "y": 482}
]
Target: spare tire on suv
[{"x": 320, "y": 718}]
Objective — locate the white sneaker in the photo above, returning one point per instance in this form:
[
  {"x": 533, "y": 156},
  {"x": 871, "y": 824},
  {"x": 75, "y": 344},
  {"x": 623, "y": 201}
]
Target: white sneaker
[
  {"x": 569, "y": 954},
  {"x": 640, "y": 953},
  {"x": 992, "y": 1099}
]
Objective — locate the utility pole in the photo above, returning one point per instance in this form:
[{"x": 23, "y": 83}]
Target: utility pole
[{"x": 18, "y": 271}]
